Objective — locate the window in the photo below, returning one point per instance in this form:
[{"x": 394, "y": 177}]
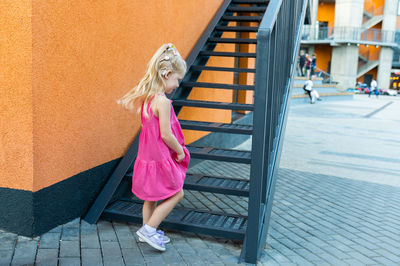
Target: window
[{"x": 398, "y": 8}]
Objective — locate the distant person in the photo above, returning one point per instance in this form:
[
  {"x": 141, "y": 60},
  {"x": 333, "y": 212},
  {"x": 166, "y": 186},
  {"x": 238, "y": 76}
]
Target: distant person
[
  {"x": 358, "y": 86},
  {"x": 302, "y": 62},
  {"x": 298, "y": 66},
  {"x": 308, "y": 66},
  {"x": 373, "y": 88},
  {"x": 313, "y": 64},
  {"x": 312, "y": 93}
]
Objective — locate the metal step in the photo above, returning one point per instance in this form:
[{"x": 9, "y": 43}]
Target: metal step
[
  {"x": 237, "y": 29},
  {"x": 247, "y": 8},
  {"x": 228, "y": 54},
  {"x": 215, "y": 184},
  {"x": 228, "y": 69},
  {"x": 216, "y": 86},
  {"x": 250, "y": 2},
  {"x": 233, "y": 40},
  {"x": 224, "y": 225},
  {"x": 214, "y": 105},
  {"x": 216, "y": 154},
  {"x": 217, "y": 127},
  {"x": 242, "y": 18}
]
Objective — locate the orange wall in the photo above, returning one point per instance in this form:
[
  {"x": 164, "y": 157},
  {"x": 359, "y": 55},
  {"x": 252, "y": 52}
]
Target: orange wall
[
  {"x": 373, "y": 72},
  {"x": 323, "y": 53},
  {"x": 82, "y": 58},
  {"x": 326, "y": 12},
  {"x": 379, "y": 3},
  {"x": 373, "y": 55},
  {"x": 373, "y": 4},
  {"x": 16, "y": 161}
]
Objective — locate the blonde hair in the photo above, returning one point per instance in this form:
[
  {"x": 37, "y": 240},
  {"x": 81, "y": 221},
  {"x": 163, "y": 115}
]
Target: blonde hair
[{"x": 166, "y": 58}]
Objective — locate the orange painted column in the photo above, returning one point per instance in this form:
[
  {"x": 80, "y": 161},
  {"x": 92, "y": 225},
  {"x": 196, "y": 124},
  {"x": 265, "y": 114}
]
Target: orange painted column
[{"x": 16, "y": 139}]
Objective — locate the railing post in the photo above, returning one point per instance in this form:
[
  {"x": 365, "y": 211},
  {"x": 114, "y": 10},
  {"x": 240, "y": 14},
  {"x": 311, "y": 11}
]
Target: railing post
[
  {"x": 275, "y": 64},
  {"x": 258, "y": 149}
]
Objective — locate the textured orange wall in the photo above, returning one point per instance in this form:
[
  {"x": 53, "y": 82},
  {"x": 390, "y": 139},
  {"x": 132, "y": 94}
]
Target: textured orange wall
[
  {"x": 16, "y": 162},
  {"x": 323, "y": 53},
  {"x": 85, "y": 56},
  {"x": 378, "y": 3},
  {"x": 375, "y": 6},
  {"x": 326, "y": 12}
]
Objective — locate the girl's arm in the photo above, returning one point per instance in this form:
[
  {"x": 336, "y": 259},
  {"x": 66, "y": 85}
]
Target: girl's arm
[{"x": 164, "y": 114}]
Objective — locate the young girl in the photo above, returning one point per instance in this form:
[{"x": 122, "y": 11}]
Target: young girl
[{"x": 162, "y": 159}]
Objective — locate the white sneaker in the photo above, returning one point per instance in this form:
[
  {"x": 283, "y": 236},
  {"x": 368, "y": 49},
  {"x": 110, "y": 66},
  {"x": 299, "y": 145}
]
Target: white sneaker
[
  {"x": 153, "y": 239},
  {"x": 165, "y": 238}
]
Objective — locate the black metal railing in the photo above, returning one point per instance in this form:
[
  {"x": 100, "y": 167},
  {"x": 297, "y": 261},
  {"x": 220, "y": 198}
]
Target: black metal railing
[
  {"x": 326, "y": 77},
  {"x": 278, "y": 41}
]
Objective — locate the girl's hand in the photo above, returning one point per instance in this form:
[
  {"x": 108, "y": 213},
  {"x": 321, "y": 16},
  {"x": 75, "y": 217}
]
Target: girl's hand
[{"x": 180, "y": 157}]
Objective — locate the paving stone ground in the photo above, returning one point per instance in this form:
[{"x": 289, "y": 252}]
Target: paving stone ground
[{"x": 337, "y": 202}]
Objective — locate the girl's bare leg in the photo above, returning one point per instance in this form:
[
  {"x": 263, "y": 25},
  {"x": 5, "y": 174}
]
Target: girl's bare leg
[
  {"x": 163, "y": 209},
  {"x": 148, "y": 209}
]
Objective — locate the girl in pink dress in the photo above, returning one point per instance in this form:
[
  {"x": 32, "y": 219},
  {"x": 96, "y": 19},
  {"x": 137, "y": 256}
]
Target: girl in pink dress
[{"x": 162, "y": 160}]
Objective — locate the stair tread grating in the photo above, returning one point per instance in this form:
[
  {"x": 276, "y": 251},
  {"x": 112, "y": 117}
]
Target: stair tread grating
[
  {"x": 239, "y": 126},
  {"x": 242, "y": 18},
  {"x": 236, "y": 226},
  {"x": 217, "y": 151},
  {"x": 216, "y": 127},
  {"x": 227, "y": 54},
  {"x": 217, "y": 184},
  {"x": 250, "y": 9},
  {"x": 231, "y": 152},
  {"x": 216, "y": 85},
  {"x": 226, "y": 69},
  {"x": 236, "y": 29},
  {"x": 233, "y": 40},
  {"x": 250, "y": 2},
  {"x": 181, "y": 215},
  {"x": 214, "y": 105}
]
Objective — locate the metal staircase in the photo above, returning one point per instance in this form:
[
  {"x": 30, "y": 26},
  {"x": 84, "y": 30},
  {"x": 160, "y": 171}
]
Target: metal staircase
[{"x": 278, "y": 36}]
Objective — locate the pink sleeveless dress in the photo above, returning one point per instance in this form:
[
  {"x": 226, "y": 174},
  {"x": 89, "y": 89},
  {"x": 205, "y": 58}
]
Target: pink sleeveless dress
[{"x": 156, "y": 174}]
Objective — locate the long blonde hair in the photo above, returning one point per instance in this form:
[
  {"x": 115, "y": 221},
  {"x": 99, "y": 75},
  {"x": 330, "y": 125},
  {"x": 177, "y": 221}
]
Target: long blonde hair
[{"x": 166, "y": 58}]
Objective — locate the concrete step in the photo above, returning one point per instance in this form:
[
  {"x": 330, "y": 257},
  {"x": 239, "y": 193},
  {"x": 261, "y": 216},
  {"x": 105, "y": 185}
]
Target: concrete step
[
  {"x": 316, "y": 85},
  {"x": 299, "y": 80},
  {"x": 304, "y": 78},
  {"x": 326, "y": 97},
  {"x": 300, "y": 91}
]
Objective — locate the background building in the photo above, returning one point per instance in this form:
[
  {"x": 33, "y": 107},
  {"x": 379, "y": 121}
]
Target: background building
[{"x": 353, "y": 40}]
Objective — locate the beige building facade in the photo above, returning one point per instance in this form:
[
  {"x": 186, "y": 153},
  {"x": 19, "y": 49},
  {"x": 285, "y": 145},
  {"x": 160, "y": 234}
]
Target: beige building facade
[{"x": 353, "y": 39}]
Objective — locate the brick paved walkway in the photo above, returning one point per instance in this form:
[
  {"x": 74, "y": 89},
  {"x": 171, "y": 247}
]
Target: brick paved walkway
[{"x": 337, "y": 202}]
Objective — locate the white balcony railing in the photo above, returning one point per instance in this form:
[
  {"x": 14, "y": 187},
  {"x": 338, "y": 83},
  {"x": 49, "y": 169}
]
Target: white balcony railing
[{"x": 347, "y": 34}]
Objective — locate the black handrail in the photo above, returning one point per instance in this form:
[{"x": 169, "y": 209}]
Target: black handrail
[{"x": 278, "y": 41}]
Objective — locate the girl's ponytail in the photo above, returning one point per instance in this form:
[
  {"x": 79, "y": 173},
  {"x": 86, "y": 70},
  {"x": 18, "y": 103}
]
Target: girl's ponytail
[{"x": 165, "y": 58}]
